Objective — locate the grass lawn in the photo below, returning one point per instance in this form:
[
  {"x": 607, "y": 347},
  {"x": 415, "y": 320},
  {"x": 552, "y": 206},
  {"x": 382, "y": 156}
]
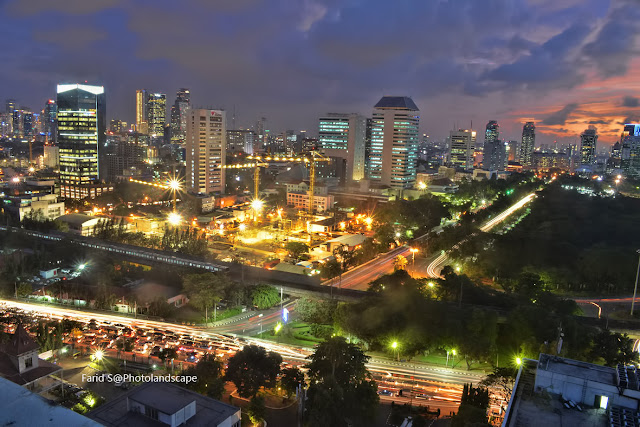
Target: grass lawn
[{"x": 295, "y": 333}]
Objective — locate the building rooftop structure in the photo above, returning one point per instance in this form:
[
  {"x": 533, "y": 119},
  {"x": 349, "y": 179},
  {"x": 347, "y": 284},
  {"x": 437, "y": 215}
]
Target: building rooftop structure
[
  {"x": 20, "y": 364},
  {"x": 160, "y": 404},
  {"x": 21, "y": 407},
  {"x": 397, "y": 102},
  {"x": 559, "y": 391}
]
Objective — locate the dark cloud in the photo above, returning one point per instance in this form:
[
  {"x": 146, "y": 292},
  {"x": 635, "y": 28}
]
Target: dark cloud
[
  {"x": 71, "y": 7},
  {"x": 560, "y": 116},
  {"x": 599, "y": 122},
  {"x": 291, "y": 60},
  {"x": 615, "y": 43},
  {"x": 630, "y": 101}
]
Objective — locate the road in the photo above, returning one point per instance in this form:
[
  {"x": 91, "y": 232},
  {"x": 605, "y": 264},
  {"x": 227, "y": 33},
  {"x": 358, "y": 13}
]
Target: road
[
  {"x": 360, "y": 277},
  {"x": 434, "y": 381},
  {"x": 433, "y": 270}
]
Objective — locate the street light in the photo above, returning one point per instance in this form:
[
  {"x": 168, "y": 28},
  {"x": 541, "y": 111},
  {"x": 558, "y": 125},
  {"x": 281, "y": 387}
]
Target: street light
[
  {"x": 174, "y": 186},
  {"x": 98, "y": 355},
  {"x": 453, "y": 353},
  {"x": 174, "y": 218},
  {"x": 430, "y": 284},
  {"x": 394, "y": 345},
  {"x": 518, "y": 361}
]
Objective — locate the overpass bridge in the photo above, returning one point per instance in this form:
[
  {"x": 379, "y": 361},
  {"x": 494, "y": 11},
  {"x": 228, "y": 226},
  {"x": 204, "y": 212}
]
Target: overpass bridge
[{"x": 290, "y": 283}]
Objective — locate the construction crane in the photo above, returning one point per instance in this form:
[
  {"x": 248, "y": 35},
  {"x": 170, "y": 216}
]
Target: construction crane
[
  {"x": 263, "y": 161},
  {"x": 173, "y": 184}
]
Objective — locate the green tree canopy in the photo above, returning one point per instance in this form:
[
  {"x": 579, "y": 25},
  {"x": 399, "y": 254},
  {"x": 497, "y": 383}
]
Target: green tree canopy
[{"x": 252, "y": 368}]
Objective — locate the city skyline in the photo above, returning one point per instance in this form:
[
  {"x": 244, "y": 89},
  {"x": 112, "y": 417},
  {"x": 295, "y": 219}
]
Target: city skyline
[{"x": 564, "y": 65}]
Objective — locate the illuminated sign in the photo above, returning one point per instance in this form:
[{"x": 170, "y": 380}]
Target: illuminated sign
[
  {"x": 285, "y": 315},
  {"x": 632, "y": 128}
]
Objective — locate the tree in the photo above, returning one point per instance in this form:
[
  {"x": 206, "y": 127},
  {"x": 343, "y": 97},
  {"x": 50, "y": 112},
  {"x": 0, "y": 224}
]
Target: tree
[
  {"x": 124, "y": 344},
  {"x": 342, "y": 388},
  {"x": 265, "y": 296},
  {"x": 315, "y": 311},
  {"x": 290, "y": 380},
  {"x": 169, "y": 353},
  {"x": 614, "y": 348},
  {"x": 501, "y": 380},
  {"x": 400, "y": 262},
  {"x": 296, "y": 249},
  {"x": 204, "y": 290},
  {"x": 473, "y": 407},
  {"x": 256, "y": 409},
  {"x": 24, "y": 290},
  {"x": 208, "y": 372},
  {"x": 252, "y": 368},
  {"x": 478, "y": 335}
]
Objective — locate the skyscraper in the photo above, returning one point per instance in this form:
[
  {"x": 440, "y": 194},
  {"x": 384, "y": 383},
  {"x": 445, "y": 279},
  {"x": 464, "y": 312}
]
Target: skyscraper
[
  {"x": 142, "y": 111},
  {"x": 494, "y": 152},
  {"x": 206, "y": 150},
  {"x": 50, "y": 120},
  {"x": 342, "y": 136},
  {"x": 179, "y": 115},
  {"x": 462, "y": 145},
  {"x": 630, "y": 150},
  {"x": 588, "y": 142},
  {"x": 394, "y": 142},
  {"x": 528, "y": 144},
  {"x": 157, "y": 114},
  {"x": 10, "y": 105},
  {"x": 81, "y": 136}
]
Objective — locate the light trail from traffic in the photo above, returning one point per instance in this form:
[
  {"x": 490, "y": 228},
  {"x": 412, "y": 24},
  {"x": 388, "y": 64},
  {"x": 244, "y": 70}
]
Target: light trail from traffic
[{"x": 433, "y": 269}]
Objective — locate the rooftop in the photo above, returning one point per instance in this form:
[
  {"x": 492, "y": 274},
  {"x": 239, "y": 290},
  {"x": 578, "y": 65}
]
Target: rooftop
[
  {"x": 21, "y": 407},
  {"x": 396, "y": 103},
  {"x": 76, "y": 218},
  {"x": 166, "y": 397},
  {"x": 21, "y": 342},
  {"x": 577, "y": 369}
]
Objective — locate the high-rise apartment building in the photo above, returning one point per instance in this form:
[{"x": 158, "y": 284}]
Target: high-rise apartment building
[
  {"x": 179, "y": 115},
  {"x": 81, "y": 136},
  {"x": 588, "y": 143},
  {"x": 528, "y": 144},
  {"x": 462, "y": 144},
  {"x": 157, "y": 114},
  {"x": 494, "y": 152},
  {"x": 394, "y": 142},
  {"x": 206, "y": 150},
  {"x": 142, "y": 111},
  {"x": 342, "y": 136},
  {"x": 630, "y": 150}
]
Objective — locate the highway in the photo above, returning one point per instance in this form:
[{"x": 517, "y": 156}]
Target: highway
[
  {"x": 441, "y": 384},
  {"x": 433, "y": 270}
]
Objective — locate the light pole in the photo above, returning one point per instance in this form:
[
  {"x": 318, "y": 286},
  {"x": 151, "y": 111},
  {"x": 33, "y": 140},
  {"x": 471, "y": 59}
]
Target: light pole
[
  {"x": 635, "y": 289},
  {"x": 174, "y": 185},
  {"x": 394, "y": 345},
  {"x": 413, "y": 258}
]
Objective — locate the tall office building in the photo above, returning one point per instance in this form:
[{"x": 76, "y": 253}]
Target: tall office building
[
  {"x": 342, "y": 136},
  {"x": 81, "y": 137},
  {"x": 240, "y": 141},
  {"x": 50, "y": 120},
  {"x": 588, "y": 143},
  {"x": 494, "y": 152},
  {"x": 142, "y": 111},
  {"x": 179, "y": 114},
  {"x": 630, "y": 150},
  {"x": 157, "y": 114},
  {"x": 528, "y": 144},
  {"x": 462, "y": 144},
  {"x": 394, "y": 142},
  {"x": 10, "y": 105},
  {"x": 206, "y": 150},
  {"x": 513, "y": 151}
]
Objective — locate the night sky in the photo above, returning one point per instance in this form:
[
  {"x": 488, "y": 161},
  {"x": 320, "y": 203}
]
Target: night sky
[{"x": 563, "y": 63}]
